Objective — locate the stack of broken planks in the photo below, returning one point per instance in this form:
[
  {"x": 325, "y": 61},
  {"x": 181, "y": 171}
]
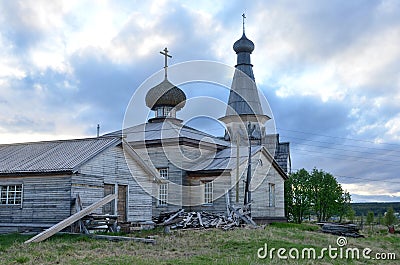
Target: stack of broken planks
[
  {"x": 348, "y": 230},
  {"x": 189, "y": 220}
]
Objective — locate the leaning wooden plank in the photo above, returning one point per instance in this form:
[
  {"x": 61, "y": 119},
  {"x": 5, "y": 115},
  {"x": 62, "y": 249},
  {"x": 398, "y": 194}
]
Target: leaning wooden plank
[
  {"x": 125, "y": 238},
  {"x": 245, "y": 218},
  {"x": 228, "y": 203},
  {"x": 199, "y": 217},
  {"x": 70, "y": 220},
  {"x": 173, "y": 217}
]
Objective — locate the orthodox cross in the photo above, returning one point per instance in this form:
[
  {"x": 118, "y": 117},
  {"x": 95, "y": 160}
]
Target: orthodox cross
[
  {"x": 166, "y": 55},
  {"x": 244, "y": 16}
]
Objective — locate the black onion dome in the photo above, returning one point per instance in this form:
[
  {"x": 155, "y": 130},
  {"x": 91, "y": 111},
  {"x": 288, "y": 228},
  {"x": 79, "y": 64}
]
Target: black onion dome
[
  {"x": 243, "y": 45},
  {"x": 165, "y": 94}
]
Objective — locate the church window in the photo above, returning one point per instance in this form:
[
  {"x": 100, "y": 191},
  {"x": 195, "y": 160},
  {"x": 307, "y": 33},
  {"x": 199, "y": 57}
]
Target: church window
[
  {"x": 208, "y": 192},
  {"x": 163, "y": 194},
  {"x": 11, "y": 195},
  {"x": 163, "y": 173},
  {"x": 163, "y": 111},
  {"x": 271, "y": 192},
  {"x": 163, "y": 188}
]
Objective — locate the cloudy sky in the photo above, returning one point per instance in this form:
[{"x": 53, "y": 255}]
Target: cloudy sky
[{"x": 330, "y": 71}]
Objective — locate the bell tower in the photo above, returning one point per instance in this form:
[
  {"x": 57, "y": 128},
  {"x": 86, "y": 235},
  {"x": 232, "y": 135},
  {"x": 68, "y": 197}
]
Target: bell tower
[{"x": 244, "y": 115}]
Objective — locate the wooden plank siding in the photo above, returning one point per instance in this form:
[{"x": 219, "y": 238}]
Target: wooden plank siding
[
  {"x": 159, "y": 157},
  {"x": 263, "y": 173},
  {"x": 45, "y": 201},
  {"x": 48, "y": 199},
  {"x": 110, "y": 167}
]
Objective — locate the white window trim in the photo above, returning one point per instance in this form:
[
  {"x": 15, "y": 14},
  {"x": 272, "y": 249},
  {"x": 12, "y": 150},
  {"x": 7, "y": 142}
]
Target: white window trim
[
  {"x": 162, "y": 199},
  {"x": 164, "y": 111},
  {"x": 208, "y": 196},
  {"x": 164, "y": 173},
  {"x": 162, "y": 196},
  {"x": 15, "y": 193}
]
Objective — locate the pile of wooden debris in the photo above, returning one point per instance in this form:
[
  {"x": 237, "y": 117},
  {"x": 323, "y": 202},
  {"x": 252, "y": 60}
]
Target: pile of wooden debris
[
  {"x": 348, "y": 230},
  {"x": 182, "y": 220}
]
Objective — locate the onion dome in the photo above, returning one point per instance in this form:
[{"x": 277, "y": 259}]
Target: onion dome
[
  {"x": 243, "y": 45},
  {"x": 165, "y": 94}
]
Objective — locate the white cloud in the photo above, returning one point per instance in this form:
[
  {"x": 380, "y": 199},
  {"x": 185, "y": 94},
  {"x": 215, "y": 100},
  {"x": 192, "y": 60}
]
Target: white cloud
[
  {"x": 369, "y": 189},
  {"x": 393, "y": 128},
  {"x": 316, "y": 82}
]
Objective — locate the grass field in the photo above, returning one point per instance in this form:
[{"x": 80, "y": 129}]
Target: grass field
[{"x": 211, "y": 246}]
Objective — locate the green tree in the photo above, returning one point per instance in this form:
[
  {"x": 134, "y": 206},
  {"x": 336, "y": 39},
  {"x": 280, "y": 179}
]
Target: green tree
[
  {"x": 379, "y": 218},
  {"x": 370, "y": 218},
  {"x": 351, "y": 215},
  {"x": 326, "y": 195},
  {"x": 316, "y": 192},
  {"x": 344, "y": 205},
  {"x": 297, "y": 195},
  {"x": 390, "y": 218}
]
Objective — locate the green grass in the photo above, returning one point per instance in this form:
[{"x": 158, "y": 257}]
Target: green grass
[{"x": 210, "y": 246}]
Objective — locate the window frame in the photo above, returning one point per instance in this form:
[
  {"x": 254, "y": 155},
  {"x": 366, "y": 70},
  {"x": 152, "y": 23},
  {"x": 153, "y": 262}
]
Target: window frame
[
  {"x": 271, "y": 195},
  {"x": 164, "y": 111},
  {"x": 15, "y": 192},
  {"x": 208, "y": 193},
  {"x": 162, "y": 195},
  {"x": 162, "y": 199},
  {"x": 164, "y": 173}
]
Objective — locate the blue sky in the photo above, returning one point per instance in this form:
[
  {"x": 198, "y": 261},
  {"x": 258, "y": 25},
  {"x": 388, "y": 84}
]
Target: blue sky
[{"x": 330, "y": 71}]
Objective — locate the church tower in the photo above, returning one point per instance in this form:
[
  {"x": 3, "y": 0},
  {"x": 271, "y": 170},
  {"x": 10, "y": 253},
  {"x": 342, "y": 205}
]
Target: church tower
[
  {"x": 165, "y": 99},
  {"x": 244, "y": 115}
]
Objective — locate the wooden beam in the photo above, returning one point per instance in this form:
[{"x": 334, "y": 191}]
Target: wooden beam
[
  {"x": 72, "y": 219},
  {"x": 166, "y": 222},
  {"x": 124, "y": 238},
  {"x": 245, "y": 218},
  {"x": 199, "y": 217}
]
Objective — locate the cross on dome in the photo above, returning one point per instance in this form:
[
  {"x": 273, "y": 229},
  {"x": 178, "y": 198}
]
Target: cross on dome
[
  {"x": 244, "y": 16},
  {"x": 166, "y": 55}
]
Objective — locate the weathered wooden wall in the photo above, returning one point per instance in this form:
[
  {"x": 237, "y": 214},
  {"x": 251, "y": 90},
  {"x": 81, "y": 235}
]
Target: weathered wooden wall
[
  {"x": 264, "y": 174},
  {"x": 48, "y": 199},
  {"x": 45, "y": 201},
  {"x": 110, "y": 167},
  {"x": 160, "y": 158}
]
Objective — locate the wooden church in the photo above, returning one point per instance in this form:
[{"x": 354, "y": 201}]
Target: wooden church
[{"x": 155, "y": 167}]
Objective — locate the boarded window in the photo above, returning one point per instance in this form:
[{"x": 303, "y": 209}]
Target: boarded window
[
  {"x": 271, "y": 192},
  {"x": 122, "y": 202},
  {"x": 109, "y": 208},
  {"x": 208, "y": 192},
  {"x": 11, "y": 195}
]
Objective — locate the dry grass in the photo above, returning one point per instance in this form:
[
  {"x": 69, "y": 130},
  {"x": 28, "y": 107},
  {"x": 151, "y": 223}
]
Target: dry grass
[{"x": 189, "y": 247}]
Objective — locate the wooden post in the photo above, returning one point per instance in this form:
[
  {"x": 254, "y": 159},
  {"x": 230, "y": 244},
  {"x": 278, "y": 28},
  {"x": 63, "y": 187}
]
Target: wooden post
[{"x": 237, "y": 167}]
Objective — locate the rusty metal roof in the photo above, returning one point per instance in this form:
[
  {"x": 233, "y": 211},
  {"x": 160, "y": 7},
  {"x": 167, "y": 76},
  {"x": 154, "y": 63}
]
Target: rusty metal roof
[{"x": 51, "y": 156}]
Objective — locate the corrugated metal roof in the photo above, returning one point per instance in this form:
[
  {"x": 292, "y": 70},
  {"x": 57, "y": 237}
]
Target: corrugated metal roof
[
  {"x": 51, "y": 156},
  {"x": 226, "y": 159},
  {"x": 166, "y": 130}
]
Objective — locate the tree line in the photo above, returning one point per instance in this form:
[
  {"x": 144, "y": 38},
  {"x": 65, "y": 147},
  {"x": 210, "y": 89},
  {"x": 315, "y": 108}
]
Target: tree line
[{"x": 315, "y": 193}]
